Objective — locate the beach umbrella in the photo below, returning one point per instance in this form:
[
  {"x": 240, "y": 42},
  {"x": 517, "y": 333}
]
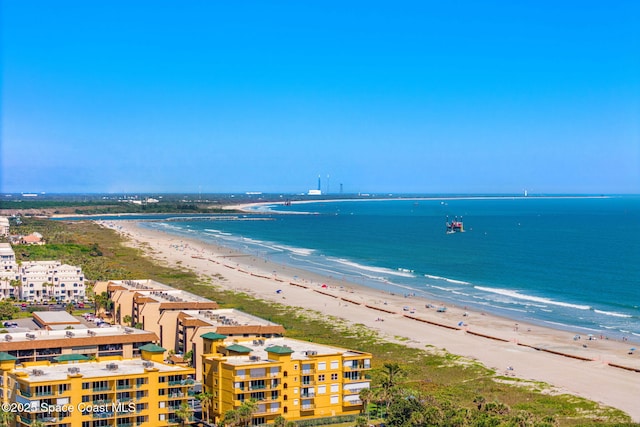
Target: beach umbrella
[
  {"x": 324, "y": 285},
  {"x": 632, "y": 349}
]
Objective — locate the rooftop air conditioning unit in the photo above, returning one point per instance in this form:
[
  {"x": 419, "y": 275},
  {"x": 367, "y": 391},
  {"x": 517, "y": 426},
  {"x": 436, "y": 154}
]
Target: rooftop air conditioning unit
[
  {"x": 147, "y": 364},
  {"x": 91, "y": 333},
  {"x": 30, "y": 336},
  {"x": 73, "y": 370},
  {"x": 128, "y": 330},
  {"x": 70, "y": 334},
  {"x": 254, "y": 357},
  {"x": 8, "y": 337},
  {"x": 37, "y": 372},
  {"x": 112, "y": 367}
]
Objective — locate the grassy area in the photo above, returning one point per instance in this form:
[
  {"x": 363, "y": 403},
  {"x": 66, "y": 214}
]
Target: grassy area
[{"x": 102, "y": 256}]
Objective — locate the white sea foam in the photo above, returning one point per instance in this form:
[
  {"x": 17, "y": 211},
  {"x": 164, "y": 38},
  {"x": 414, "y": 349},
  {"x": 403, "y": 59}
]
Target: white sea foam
[
  {"x": 297, "y": 251},
  {"x": 517, "y": 295},
  {"x": 612, "y": 313},
  {"x": 372, "y": 269},
  {"x": 459, "y": 282}
]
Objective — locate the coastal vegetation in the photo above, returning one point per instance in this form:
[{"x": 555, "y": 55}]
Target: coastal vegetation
[{"x": 410, "y": 387}]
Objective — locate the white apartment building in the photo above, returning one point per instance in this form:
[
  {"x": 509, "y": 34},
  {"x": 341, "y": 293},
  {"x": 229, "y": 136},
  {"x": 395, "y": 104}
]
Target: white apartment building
[
  {"x": 46, "y": 280},
  {"x": 36, "y": 281},
  {"x": 4, "y": 226},
  {"x": 8, "y": 271}
]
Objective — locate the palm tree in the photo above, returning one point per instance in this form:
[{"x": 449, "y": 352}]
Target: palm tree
[
  {"x": 246, "y": 411},
  {"x": 206, "y": 399},
  {"x": 127, "y": 320},
  {"x": 279, "y": 421},
  {"x": 231, "y": 418},
  {"x": 69, "y": 308},
  {"x": 184, "y": 413},
  {"x": 365, "y": 396},
  {"x": 6, "y": 418},
  {"x": 393, "y": 371}
]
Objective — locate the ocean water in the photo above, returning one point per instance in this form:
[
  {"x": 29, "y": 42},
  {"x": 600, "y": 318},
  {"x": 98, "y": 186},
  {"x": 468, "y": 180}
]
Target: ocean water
[{"x": 569, "y": 263}]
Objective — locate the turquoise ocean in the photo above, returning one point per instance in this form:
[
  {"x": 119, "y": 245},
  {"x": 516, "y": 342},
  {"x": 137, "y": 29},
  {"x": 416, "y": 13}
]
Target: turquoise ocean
[{"x": 569, "y": 263}]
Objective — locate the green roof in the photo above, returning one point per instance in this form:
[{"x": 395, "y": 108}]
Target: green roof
[
  {"x": 279, "y": 349},
  {"x": 6, "y": 356},
  {"x": 213, "y": 336},
  {"x": 70, "y": 358},
  {"x": 152, "y": 348},
  {"x": 239, "y": 348}
]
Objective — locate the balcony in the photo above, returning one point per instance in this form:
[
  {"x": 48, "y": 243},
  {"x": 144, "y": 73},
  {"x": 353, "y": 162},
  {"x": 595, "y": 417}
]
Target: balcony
[
  {"x": 102, "y": 415},
  {"x": 103, "y": 388},
  {"x": 26, "y": 393},
  {"x": 123, "y": 386},
  {"x": 351, "y": 403},
  {"x": 308, "y": 407},
  {"x": 308, "y": 395}
]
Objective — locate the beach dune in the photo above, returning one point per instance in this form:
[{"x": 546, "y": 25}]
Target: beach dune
[{"x": 597, "y": 369}]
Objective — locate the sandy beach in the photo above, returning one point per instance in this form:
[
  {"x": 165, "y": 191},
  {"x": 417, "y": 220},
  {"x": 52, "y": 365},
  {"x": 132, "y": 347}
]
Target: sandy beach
[{"x": 599, "y": 369}]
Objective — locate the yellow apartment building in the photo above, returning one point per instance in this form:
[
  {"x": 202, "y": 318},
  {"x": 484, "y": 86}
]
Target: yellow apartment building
[
  {"x": 289, "y": 378},
  {"x": 111, "y": 391}
]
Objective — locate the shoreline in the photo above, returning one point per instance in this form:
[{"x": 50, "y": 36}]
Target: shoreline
[{"x": 600, "y": 370}]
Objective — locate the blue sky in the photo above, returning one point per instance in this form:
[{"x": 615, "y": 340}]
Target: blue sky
[{"x": 232, "y": 96}]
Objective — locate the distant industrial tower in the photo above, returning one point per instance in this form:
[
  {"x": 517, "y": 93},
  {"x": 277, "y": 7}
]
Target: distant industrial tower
[{"x": 317, "y": 192}]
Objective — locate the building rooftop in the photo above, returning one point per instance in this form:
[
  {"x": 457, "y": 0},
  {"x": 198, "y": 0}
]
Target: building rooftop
[
  {"x": 299, "y": 350},
  {"x": 141, "y": 285},
  {"x": 227, "y": 317},
  {"x": 73, "y": 338},
  {"x": 47, "y": 318},
  {"x": 100, "y": 369},
  {"x": 6, "y": 249}
]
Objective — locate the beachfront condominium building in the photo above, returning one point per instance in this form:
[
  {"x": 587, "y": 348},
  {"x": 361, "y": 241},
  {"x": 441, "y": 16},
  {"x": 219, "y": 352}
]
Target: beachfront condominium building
[
  {"x": 62, "y": 339},
  {"x": 9, "y": 275},
  {"x": 110, "y": 391},
  {"x": 180, "y": 318},
  {"x": 184, "y": 330},
  {"x": 51, "y": 280},
  {"x": 4, "y": 226},
  {"x": 37, "y": 281},
  {"x": 289, "y": 378},
  {"x": 146, "y": 300}
]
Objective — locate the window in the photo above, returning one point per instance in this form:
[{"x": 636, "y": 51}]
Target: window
[
  {"x": 322, "y": 389},
  {"x": 322, "y": 366},
  {"x": 335, "y": 388},
  {"x": 334, "y": 399},
  {"x": 334, "y": 364}
]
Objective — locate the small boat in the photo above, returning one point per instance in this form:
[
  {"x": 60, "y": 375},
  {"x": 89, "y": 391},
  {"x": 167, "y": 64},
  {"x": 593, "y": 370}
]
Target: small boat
[{"x": 455, "y": 226}]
